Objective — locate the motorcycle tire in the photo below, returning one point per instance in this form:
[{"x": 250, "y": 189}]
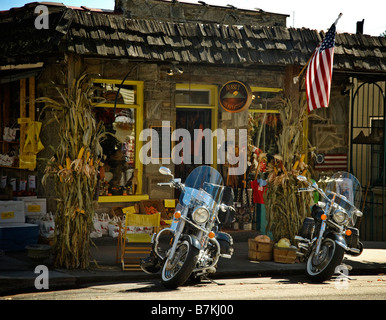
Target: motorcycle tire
[
  {"x": 320, "y": 269},
  {"x": 175, "y": 273}
]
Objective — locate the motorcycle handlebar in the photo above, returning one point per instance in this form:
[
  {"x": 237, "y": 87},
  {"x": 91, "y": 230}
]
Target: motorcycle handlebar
[
  {"x": 165, "y": 184},
  {"x": 224, "y": 207},
  {"x": 305, "y": 189},
  {"x": 320, "y": 191},
  {"x": 172, "y": 184}
]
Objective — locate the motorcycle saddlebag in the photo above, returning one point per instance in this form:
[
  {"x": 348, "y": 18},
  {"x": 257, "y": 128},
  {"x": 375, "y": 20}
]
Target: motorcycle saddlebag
[{"x": 307, "y": 229}]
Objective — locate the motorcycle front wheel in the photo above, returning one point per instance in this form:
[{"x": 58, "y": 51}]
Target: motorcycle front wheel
[
  {"x": 322, "y": 266},
  {"x": 178, "y": 268}
]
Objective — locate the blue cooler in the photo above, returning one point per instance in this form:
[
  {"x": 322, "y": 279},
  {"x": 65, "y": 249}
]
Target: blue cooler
[{"x": 16, "y": 236}]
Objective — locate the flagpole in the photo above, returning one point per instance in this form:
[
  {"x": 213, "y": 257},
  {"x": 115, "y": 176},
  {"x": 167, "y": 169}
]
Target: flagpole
[
  {"x": 340, "y": 15},
  {"x": 296, "y": 79}
]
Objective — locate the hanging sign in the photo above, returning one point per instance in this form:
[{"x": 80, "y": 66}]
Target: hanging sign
[{"x": 235, "y": 96}]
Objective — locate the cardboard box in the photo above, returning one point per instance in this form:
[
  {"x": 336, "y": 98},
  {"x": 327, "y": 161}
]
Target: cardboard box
[
  {"x": 35, "y": 207},
  {"x": 11, "y": 212},
  {"x": 16, "y": 236}
]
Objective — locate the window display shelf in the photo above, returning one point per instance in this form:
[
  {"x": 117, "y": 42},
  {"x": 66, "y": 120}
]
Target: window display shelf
[{"x": 129, "y": 198}]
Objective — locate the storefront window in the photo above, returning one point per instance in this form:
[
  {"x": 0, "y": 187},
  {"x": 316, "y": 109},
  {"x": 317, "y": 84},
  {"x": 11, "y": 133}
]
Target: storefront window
[
  {"x": 121, "y": 174},
  {"x": 118, "y": 150},
  {"x": 108, "y": 91},
  {"x": 264, "y": 121},
  {"x": 264, "y": 128},
  {"x": 265, "y": 99}
]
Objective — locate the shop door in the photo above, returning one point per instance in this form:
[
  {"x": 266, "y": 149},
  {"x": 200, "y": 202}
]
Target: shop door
[
  {"x": 367, "y": 156},
  {"x": 191, "y": 119}
]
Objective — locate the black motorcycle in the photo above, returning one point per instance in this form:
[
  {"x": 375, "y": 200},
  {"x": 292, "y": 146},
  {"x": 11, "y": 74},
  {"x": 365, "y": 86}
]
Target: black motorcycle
[
  {"x": 332, "y": 230},
  {"x": 193, "y": 244}
]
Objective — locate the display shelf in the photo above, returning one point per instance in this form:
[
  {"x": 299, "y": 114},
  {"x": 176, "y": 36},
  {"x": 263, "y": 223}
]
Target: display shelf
[{"x": 129, "y": 198}]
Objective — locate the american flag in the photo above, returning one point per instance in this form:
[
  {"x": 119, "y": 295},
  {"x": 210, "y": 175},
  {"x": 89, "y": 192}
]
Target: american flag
[
  {"x": 319, "y": 72},
  {"x": 332, "y": 162}
]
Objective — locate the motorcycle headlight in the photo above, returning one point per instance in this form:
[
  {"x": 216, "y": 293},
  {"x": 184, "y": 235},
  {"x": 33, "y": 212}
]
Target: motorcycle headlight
[
  {"x": 340, "y": 216},
  {"x": 200, "y": 215}
]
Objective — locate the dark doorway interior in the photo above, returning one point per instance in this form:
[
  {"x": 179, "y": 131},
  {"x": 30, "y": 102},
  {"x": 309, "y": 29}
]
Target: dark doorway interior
[{"x": 191, "y": 119}]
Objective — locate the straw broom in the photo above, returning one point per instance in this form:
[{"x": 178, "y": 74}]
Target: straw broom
[{"x": 74, "y": 167}]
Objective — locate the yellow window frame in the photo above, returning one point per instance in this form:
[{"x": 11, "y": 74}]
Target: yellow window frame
[{"x": 265, "y": 89}]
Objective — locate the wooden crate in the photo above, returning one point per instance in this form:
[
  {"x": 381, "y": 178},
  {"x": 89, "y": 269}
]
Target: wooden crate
[
  {"x": 259, "y": 256},
  {"x": 284, "y": 255},
  {"x": 261, "y": 251}
]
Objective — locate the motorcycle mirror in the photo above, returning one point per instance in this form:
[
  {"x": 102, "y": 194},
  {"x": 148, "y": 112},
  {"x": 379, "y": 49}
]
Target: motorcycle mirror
[{"x": 165, "y": 171}]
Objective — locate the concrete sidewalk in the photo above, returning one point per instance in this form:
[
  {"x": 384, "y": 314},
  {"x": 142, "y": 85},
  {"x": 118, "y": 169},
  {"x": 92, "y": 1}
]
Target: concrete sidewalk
[{"x": 17, "y": 271}]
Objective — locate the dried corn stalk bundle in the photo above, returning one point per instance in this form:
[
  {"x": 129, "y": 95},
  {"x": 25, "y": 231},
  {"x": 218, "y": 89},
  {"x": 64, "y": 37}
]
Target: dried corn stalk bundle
[
  {"x": 286, "y": 208},
  {"x": 74, "y": 167}
]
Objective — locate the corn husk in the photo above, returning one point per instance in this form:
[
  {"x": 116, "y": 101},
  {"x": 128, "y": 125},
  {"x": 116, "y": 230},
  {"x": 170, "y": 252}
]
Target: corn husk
[
  {"x": 285, "y": 207},
  {"x": 74, "y": 168}
]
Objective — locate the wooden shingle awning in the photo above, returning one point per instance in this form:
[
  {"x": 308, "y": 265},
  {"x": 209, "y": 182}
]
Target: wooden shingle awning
[{"x": 112, "y": 35}]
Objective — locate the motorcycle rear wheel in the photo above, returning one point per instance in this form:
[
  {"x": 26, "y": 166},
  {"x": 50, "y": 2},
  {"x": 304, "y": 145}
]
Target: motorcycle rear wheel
[
  {"x": 320, "y": 268},
  {"x": 177, "y": 270}
]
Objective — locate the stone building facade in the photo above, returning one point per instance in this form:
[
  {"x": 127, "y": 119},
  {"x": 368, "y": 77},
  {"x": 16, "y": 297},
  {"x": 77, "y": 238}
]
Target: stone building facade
[{"x": 211, "y": 45}]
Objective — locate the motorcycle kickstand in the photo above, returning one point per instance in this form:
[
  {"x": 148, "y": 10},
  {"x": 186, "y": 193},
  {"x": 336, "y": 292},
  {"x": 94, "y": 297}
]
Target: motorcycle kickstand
[
  {"x": 212, "y": 281},
  {"x": 341, "y": 273}
]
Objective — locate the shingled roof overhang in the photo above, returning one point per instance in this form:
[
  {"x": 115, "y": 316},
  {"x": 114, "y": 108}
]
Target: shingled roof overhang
[{"x": 110, "y": 35}]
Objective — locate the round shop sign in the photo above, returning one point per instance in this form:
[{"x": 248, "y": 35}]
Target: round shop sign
[{"x": 235, "y": 96}]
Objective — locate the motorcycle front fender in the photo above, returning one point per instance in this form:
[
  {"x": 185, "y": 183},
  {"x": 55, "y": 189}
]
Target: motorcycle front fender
[
  {"x": 193, "y": 241},
  {"x": 338, "y": 238}
]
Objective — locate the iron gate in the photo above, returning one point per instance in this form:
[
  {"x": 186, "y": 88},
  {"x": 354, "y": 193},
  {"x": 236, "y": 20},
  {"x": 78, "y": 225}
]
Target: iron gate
[{"x": 367, "y": 154}]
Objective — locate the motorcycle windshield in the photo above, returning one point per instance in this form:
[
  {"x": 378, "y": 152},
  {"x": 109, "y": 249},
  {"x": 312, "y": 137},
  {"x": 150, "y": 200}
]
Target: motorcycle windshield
[
  {"x": 203, "y": 178},
  {"x": 348, "y": 189}
]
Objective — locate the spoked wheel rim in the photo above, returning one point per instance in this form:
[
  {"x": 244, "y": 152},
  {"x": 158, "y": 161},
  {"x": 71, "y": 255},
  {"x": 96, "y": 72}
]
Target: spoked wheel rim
[
  {"x": 173, "y": 266},
  {"x": 317, "y": 263}
]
